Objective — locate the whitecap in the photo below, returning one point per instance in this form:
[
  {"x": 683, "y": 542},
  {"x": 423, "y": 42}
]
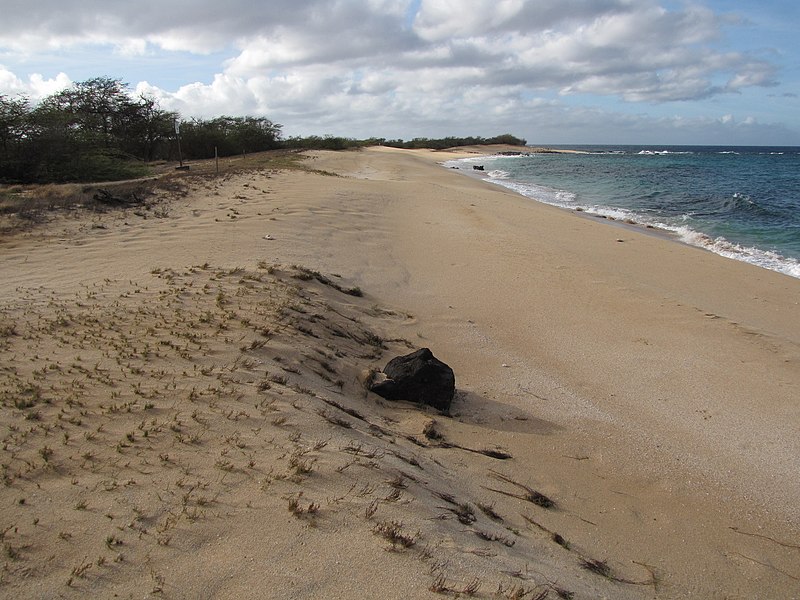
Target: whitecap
[
  {"x": 662, "y": 152},
  {"x": 766, "y": 259},
  {"x": 617, "y": 214},
  {"x": 681, "y": 225}
]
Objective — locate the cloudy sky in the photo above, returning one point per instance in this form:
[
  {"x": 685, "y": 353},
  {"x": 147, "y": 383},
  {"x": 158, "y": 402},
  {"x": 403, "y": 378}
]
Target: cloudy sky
[{"x": 552, "y": 71}]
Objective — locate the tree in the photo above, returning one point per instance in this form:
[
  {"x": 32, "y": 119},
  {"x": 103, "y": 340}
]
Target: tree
[
  {"x": 145, "y": 130},
  {"x": 93, "y": 108},
  {"x": 93, "y": 130},
  {"x": 12, "y": 119},
  {"x": 13, "y": 116},
  {"x": 508, "y": 139},
  {"x": 229, "y": 135}
]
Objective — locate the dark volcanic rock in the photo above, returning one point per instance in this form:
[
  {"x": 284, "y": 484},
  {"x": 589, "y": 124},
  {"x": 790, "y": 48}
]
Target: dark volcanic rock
[{"x": 418, "y": 377}]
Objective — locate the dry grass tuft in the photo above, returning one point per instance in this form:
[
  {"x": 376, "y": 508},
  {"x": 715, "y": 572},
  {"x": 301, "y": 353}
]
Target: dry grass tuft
[
  {"x": 296, "y": 507},
  {"x": 440, "y": 585},
  {"x": 489, "y": 511},
  {"x": 393, "y": 532},
  {"x": 519, "y": 592},
  {"x": 529, "y": 495},
  {"x": 599, "y": 567}
]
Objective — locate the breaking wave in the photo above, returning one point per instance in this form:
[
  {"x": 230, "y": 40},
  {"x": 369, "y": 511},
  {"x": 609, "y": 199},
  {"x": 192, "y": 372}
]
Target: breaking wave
[{"x": 673, "y": 204}]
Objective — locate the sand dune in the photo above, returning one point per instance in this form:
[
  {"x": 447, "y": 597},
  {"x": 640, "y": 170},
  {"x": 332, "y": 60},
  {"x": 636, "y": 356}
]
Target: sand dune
[{"x": 182, "y": 415}]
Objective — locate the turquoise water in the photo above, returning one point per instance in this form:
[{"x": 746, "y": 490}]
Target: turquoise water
[{"x": 740, "y": 202}]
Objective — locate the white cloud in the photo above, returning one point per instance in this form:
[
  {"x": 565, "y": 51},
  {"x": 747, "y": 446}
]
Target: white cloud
[
  {"x": 445, "y": 19},
  {"x": 635, "y": 50},
  {"x": 36, "y": 87},
  {"x": 360, "y": 67},
  {"x": 226, "y": 95},
  {"x": 132, "y": 48}
]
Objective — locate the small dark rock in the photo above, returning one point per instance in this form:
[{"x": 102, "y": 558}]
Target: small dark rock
[{"x": 417, "y": 377}]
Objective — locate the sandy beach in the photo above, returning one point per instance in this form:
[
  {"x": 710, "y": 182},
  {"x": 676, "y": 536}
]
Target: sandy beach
[{"x": 182, "y": 414}]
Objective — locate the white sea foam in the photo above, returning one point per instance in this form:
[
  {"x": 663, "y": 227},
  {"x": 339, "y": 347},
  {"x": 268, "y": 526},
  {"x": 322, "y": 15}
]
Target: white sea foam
[
  {"x": 562, "y": 198},
  {"x": 680, "y": 227},
  {"x": 661, "y": 152},
  {"x": 719, "y": 245},
  {"x": 467, "y": 162},
  {"x": 618, "y": 214}
]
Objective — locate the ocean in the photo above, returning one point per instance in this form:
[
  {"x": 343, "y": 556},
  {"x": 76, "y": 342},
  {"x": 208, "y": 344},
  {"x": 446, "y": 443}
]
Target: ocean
[{"x": 739, "y": 202}]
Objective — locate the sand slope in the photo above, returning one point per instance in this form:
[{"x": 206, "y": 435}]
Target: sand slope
[{"x": 182, "y": 417}]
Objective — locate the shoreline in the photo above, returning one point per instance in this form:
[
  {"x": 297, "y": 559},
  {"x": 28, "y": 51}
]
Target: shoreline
[
  {"x": 647, "y": 388},
  {"x": 762, "y": 257},
  {"x": 628, "y": 224}
]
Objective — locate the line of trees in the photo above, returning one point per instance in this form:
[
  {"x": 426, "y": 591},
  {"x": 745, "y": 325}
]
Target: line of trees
[
  {"x": 330, "y": 142},
  {"x": 96, "y": 130},
  {"x": 452, "y": 142}
]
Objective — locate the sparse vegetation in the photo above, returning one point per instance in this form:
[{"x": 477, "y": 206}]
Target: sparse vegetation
[
  {"x": 489, "y": 511},
  {"x": 394, "y": 533},
  {"x": 95, "y": 130},
  {"x": 441, "y": 585},
  {"x": 297, "y": 508},
  {"x": 187, "y": 398},
  {"x": 599, "y": 567},
  {"x": 495, "y": 537},
  {"x": 529, "y": 495}
]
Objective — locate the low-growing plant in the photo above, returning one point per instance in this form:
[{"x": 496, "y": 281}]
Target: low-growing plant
[
  {"x": 393, "y": 532},
  {"x": 298, "y": 510}
]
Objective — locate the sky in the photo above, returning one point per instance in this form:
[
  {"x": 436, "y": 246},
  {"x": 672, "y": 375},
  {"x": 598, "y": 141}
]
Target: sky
[{"x": 552, "y": 71}]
